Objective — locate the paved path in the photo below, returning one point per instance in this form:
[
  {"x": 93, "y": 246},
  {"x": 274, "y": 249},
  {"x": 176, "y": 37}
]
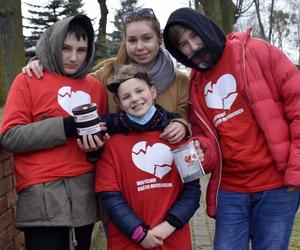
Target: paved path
[{"x": 202, "y": 227}]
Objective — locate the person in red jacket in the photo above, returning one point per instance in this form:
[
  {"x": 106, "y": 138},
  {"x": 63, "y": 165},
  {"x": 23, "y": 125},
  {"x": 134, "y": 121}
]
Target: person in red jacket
[
  {"x": 56, "y": 204},
  {"x": 245, "y": 110}
]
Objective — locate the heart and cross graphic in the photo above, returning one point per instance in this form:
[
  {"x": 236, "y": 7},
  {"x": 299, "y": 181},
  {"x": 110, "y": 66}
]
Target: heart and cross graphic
[
  {"x": 222, "y": 94},
  {"x": 156, "y": 159},
  {"x": 69, "y": 99}
]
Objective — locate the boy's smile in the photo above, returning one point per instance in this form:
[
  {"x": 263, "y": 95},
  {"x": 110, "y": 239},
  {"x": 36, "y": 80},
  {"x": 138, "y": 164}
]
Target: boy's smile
[{"x": 136, "y": 97}]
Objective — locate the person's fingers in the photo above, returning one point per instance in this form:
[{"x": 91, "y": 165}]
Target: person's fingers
[
  {"x": 92, "y": 144},
  {"x": 36, "y": 69},
  {"x": 197, "y": 143},
  {"x": 199, "y": 150},
  {"x": 80, "y": 145},
  {"x": 168, "y": 134},
  {"x": 27, "y": 71},
  {"x": 98, "y": 142},
  {"x": 103, "y": 126},
  {"x": 85, "y": 143},
  {"x": 176, "y": 137},
  {"x": 159, "y": 241},
  {"x": 106, "y": 136}
]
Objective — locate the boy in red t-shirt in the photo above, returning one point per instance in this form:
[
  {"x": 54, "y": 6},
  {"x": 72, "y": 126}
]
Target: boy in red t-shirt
[
  {"x": 56, "y": 205},
  {"x": 139, "y": 185}
]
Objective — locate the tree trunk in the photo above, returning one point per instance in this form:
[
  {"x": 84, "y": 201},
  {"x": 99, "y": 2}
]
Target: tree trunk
[
  {"x": 260, "y": 24},
  {"x": 271, "y": 18},
  {"x": 101, "y": 48},
  {"x": 222, "y": 12},
  {"x": 11, "y": 44}
]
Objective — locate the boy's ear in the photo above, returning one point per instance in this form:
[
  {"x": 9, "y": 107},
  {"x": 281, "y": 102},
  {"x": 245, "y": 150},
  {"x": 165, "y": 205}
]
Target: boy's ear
[
  {"x": 116, "y": 99},
  {"x": 160, "y": 38},
  {"x": 153, "y": 92}
]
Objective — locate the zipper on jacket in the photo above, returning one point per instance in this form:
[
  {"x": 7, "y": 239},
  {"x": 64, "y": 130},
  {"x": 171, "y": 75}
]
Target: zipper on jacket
[
  {"x": 219, "y": 147},
  {"x": 244, "y": 74}
]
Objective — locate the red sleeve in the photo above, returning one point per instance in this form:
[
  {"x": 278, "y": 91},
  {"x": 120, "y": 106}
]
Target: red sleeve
[
  {"x": 107, "y": 171},
  {"x": 18, "y": 105}
]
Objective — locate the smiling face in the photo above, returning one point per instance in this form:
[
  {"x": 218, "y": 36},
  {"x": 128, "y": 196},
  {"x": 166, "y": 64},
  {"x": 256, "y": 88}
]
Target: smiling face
[
  {"x": 142, "y": 42},
  {"x": 74, "y": 53},
  {"x": 189, "y": 43},
  {"x": 136, "y": 97}
]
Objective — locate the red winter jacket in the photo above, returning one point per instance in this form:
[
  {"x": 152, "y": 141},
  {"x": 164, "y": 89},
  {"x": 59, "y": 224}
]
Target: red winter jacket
[{"x": 271, "y": 85}]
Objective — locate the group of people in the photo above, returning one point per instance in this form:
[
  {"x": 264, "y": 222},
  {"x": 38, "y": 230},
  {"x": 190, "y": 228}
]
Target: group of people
[{"x": 240, "y": 106}]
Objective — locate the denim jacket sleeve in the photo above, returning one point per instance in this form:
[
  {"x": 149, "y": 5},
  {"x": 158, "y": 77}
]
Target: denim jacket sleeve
[
  {"x": 186, "y": 204},
  {"x": 119, "y": 212}
]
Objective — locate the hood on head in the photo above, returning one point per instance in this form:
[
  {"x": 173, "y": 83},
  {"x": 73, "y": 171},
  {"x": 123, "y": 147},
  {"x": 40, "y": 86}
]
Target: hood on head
[
  {"x": 49, "y": 46},
  {"x": 212, "y": 36}
]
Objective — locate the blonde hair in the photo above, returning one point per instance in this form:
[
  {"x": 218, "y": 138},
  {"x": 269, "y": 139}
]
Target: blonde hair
[
  {"x": 132, "y": 70},
  {"x": 122, "y": 57}
]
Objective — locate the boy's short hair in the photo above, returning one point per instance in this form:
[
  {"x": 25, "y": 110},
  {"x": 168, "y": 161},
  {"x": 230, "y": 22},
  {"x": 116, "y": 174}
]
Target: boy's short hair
[
  {"x": 78, "y": 28},
  {"x": 126, "y": 72}
]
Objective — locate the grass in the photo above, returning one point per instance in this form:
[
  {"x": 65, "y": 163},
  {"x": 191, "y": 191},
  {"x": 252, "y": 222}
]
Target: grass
[{"x": 295, "y": 239}]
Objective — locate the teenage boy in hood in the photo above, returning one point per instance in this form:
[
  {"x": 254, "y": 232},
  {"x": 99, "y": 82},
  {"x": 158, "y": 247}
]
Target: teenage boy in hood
[
  {"x": 245, "y": 108},
  {"x": 56, "y": 205}
]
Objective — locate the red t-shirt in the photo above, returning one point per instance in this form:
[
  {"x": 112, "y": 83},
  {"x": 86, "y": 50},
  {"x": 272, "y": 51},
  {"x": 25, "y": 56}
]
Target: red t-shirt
[
  {"x": 247, "y": 163},
  {"x": 141, "y": 167},
  {"x": 31, "y": 100}
]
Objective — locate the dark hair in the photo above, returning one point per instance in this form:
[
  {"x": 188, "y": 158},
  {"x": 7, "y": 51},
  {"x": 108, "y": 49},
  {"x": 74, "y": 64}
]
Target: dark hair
[
  {"x": 175, "y": 32},
  {"x": 76, "y": 28}
]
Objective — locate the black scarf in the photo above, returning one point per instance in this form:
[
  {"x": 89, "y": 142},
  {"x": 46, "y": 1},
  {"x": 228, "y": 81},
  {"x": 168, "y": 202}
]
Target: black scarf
[{"x": 120, "y": 123}]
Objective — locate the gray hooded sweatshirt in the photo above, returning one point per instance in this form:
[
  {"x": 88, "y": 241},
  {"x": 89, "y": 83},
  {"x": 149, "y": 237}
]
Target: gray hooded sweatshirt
[
  {"x": 69, "y": 201},
  {"x": 50, "y": 132}
]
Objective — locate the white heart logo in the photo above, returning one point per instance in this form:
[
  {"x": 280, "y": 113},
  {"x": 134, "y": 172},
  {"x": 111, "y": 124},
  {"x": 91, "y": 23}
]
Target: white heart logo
[
  {"x": 69, "y": 99},
  {"x": 222, "y": 94},
  {"x": 155, "y": 159}
]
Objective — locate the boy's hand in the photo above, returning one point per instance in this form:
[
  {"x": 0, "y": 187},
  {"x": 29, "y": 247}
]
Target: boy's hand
[
  {"x": 91, "y": 143},
  {"x": 163, "y": 230},
  {"x": 151, "y": 240},
  {"x": 199, "y": 150}
]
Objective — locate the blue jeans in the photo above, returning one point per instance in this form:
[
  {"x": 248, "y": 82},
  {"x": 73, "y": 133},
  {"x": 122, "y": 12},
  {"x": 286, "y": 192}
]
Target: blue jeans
[{"x": 266, "y": 218}]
